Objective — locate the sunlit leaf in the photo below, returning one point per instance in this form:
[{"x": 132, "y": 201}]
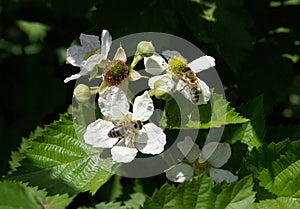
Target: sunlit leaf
[
  {"x": 135, "y": 202},
  {"x": 58, "y": 159},
  {"x": 182, "y": 114},
  {"x": 35, "y": 31},
  {"x": 281, "y": 180},
  {"x": 276, "y": 166},
  {"x": 201, "y": 193},
  {"x": 20, "y": 195},
  {"x": 252, "y": 132},
  {"x": 279, "y": 203}
]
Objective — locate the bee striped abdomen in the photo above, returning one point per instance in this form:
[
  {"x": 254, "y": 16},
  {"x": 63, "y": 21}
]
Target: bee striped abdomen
[
  {"x": 116, "y": 132},
  {"x": 195, "y": 94},
  {"x": 125, "y": 128},
  {"x": 191, "y": 80}
]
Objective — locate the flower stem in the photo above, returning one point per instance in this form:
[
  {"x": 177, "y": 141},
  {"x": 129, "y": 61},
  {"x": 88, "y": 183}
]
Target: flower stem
[{"x": 136, "y": 59}]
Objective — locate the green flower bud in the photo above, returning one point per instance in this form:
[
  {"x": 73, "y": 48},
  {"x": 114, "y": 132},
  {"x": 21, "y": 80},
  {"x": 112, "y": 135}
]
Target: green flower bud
[
  {"x": 82, "y": 93},
  {"x": 145, "y": 48},
  {"x": 161, "y": 94}
]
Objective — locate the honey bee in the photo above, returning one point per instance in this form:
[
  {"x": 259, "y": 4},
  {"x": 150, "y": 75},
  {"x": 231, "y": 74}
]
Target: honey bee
[
  {"x": 126, "y": 129},
  {"x": 188, "y": 84},
  {"x": 192, "y": 85}
]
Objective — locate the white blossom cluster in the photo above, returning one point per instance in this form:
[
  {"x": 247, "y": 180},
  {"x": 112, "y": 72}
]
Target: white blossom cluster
[{"x": 125, "y": 128}]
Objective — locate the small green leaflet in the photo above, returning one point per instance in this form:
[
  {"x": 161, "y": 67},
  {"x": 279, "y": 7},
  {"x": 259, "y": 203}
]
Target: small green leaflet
[
  {"x": 276, "y": 166},
  {"x": 58, "y": 159},
  {"x": 202, "y": 193},
  {"x": 252, "y": 132},
  {"x": 279, "y": 203},
  {"x": 182, "y": 114},
  {"x": 135, "y": 202},
  {"x": 19, "y": 195}
]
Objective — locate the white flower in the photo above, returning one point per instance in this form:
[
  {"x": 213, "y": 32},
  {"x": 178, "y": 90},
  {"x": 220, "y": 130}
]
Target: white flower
[
  {"x": 148, "y": 139},
  {"x": 213, "y": 156},
  {"x": 174, "y": 81},
  {"x": 116, "y": 71},
  {"x": 89, "y": 54}
]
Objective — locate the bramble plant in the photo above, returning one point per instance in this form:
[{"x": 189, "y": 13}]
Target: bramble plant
[{"x": 151, "y": 112}]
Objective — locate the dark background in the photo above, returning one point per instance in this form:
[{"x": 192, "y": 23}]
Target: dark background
[{"x": 256, "y": 45}]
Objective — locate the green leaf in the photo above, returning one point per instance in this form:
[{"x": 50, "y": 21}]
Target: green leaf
[
  {"x": 277, "y": 166},
  {"x": 281, "y": 180},
  {"x": 35, "y": 31},
  {"x": 103, "y": 205},
  {"x": 57, "y": 201},
  {"x": 201, "y": 193},
  {"x": 136, "y": 201},
  {"x": 58, "y": 159},
  {"x": 212, "y": 21},
  {"x": 183, "y": 114},
  {"x": 252, "y": 132},
  {"x": 233, "y": 45},
  {"x": 110, "y": 205},
  {"x": 279, "y": 203},
  {"x": 18, "y": 156},
  {"x": 19, "y": 195}
]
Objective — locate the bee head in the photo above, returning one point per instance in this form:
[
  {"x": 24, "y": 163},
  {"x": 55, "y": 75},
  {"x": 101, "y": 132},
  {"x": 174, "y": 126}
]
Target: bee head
[{"x": 138, "y": 125}]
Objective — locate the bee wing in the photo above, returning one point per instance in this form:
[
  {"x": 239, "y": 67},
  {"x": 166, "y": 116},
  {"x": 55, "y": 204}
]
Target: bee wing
[
  {"x": 183, "y": 88},
  {"x": 204, "y": 92},
  {"x": 129, "y": 139},
  {"x": 202, "y": 63},
  {"x": 171, "y": 54}
]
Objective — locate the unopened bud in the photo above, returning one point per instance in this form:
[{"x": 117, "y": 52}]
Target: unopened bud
[
  {"x": 163, "y": 88},
  {"x": 82, "y": 93},
  {"x": 145, "y": 48}
]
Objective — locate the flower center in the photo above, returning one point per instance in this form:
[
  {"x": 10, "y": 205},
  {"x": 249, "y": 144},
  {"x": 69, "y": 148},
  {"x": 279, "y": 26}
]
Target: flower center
[
  {"x": 116, "y": 72},
  {"x": 201, "y": 167},
  {"x": 177, "y": 64}
]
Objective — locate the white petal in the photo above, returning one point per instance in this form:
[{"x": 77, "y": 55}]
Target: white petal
[
  {"x": 75, "y": 55},
  {"x": 162, "y": 82},
  {"x": 72, "y": 77},
  {"x": 106, "y": 42},
  {"x": 75, "y": 76},
  {"x": 171, "y": 54},
  {"x": 180, "y": 173},
  {"x": 219, "y": 175},
  {"x": 155, "y": 64},
  {"x": 217, "y": 154},
  {"x": 113, "y": 103},
  {"x": 91, "y": 62},
  {"x": 120, "y": 55},
  {"x": 189, "y": 149},
  {"x": 202, "y": 63},
  {"x": 123, "y": 154},
  {"x": 89, "y": 42},
  {"x": 151, "y": 139},
  {"x": 153, "y": 79},
  {"x": 143, "y": 107},
  {"x": 97, "y": 134}
]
